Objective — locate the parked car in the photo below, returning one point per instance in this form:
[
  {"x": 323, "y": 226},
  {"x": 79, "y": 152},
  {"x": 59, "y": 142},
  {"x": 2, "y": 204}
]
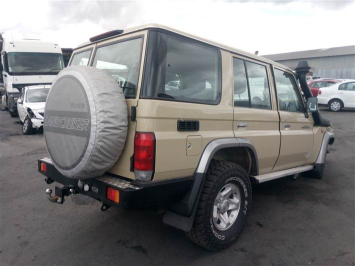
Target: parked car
[
  {"x": 320, "y": 83},
  {"x": 173, "y": 85},
  {"x": 30, "y": 107},
  {"x": 194, "y": 150},
  {"x": 338, "y": 96}
]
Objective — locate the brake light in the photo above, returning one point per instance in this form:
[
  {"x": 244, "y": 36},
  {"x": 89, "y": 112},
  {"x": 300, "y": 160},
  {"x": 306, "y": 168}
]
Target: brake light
[
  {"x": 106, "y": 35},
  {"x": 43, "y": 167},
  {"x": 113, "y": 195},
  {"x": 144, "y": 153}
]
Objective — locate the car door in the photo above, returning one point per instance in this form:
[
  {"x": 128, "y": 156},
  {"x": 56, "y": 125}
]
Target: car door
[
  {"x": 346, "y": 93},
  {"x": 20, "y": 106},
  {"x": 255, "y": 111},
  {"x": 296, "y": 129}
]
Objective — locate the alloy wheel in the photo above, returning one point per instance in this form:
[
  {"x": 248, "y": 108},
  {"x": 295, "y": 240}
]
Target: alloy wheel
[{"x": 226, "y": 207}]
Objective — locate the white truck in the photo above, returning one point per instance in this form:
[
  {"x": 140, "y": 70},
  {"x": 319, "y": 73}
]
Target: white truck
[{"x": 25, "y": 63}]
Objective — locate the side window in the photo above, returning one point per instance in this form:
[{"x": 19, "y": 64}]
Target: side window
[
  {"x": 81, "y": 59},
  {"x": 241, "y": 92},
  {"x": 258, "y": 86},
  {"x": 319, "y": 84},
  {"x": 251, "y": 85},
  {"x": 192, "y": 71},
  {"x": 288, "y": 95},
  {"x": 179, "y": 69},
  {"x": 347, "y": 86}
]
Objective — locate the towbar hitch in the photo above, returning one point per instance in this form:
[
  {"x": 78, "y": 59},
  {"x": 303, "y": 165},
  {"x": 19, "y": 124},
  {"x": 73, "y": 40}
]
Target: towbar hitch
[{"x": 60, "y": 193}]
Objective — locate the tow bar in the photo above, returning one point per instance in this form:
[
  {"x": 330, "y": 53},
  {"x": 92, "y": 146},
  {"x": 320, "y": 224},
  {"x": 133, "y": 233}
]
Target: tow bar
[{"x": 60, "y": 193}]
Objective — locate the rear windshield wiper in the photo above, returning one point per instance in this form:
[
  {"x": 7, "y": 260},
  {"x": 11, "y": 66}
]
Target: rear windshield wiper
[{"x": 164, "y": 95}]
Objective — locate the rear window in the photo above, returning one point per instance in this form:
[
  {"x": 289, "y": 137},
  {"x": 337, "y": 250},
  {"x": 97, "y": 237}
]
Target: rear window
[
  {"x": 122, "y": 61},
  {"x": 81, "y": 59},
  {"x": 37, "y": 95},
  {"x": 179, "y": 69}
]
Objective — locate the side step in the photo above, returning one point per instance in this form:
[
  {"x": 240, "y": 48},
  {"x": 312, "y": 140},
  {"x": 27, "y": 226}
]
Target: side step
[{"x": 275, "y": 175}]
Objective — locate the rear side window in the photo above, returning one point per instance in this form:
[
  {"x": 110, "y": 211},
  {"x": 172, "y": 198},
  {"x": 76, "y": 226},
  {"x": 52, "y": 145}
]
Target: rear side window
[
  {"x": 179, "y": 69},
  {"x": 288, "y": 95},
  {"x": 319, "y": 84},
  {"x": 347, "y": 86},
  {"x": 330, "y": 84},
  {"x": 81, "y": 59},
  {"x": 251, "y": 85}
]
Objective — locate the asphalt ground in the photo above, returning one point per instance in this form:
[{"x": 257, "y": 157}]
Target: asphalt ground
[{"x": 302, "y": 222}]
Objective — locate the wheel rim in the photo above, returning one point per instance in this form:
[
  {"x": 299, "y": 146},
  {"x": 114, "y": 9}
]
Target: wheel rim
[
  {"x": 335, "y": 106},
  {"x": 226, "y": 207},
  {"x": 25, "y": 125}
]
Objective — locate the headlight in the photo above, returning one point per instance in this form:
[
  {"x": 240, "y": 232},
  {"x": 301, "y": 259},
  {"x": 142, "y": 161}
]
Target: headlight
[{"x": 30, "y": 113}]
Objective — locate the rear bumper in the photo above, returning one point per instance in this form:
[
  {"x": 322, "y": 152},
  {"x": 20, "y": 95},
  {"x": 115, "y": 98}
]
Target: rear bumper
[{"x": 132, "y": 193}]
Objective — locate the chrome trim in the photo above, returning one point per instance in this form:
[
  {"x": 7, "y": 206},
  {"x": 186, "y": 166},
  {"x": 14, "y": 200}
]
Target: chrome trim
[
  {"x": 47, "y": 160},
  {"x": 218, "y": 144},
  {"x": 275, "y": 175},
  {"x": 242, "y": 124},
  {"x": 117, "y": 182},
  {"x": 323, "y": 150}
]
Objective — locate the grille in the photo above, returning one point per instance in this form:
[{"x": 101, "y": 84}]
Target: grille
[{"x": 188, "y": 125}]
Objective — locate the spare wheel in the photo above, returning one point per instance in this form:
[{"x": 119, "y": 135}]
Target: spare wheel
[{"x": 85, "y": 123}]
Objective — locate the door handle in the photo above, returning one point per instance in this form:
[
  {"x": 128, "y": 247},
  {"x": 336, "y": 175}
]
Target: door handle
[
  {"x": 242, "y": 124},
  {"x": 306, "y": 127},
  {"x": 341, "y": 92},
  {"x": 287, "y": 125}
]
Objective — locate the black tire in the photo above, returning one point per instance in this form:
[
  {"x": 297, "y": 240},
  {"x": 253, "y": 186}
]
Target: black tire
[
  {"x": 204, "y": 232},
  {"x": 27, "y": 126},
  {"x": 335, "y": 105},
  {"x": 13, "y": 114}
]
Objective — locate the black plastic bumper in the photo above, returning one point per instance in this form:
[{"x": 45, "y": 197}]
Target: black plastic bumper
[{"x": 132, "y": 194}]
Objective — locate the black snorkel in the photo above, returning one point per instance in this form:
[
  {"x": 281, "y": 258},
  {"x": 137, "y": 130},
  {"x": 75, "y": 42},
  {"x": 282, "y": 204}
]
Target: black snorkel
[{"x": 312, "y": 106}]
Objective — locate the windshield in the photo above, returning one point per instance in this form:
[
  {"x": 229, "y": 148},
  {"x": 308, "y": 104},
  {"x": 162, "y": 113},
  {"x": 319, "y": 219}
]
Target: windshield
[
  {"x": 122, "y": 61},
  {"x": 34, "y": 63},
  {"x": 36, "y": 95}
]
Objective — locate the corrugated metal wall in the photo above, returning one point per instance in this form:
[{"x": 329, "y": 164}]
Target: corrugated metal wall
[{"x": 338, "y": 67}]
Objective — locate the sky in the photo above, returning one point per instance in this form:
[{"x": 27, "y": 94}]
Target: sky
[{"x": 269, "y": 27}]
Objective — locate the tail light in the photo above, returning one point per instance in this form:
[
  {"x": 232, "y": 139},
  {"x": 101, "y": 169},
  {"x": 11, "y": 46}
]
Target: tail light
[{"x": 144, "y": 155}]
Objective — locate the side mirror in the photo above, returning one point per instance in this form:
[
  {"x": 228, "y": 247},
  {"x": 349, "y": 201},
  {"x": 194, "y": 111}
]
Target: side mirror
[
  {"x": 19, "y": 101},
  {"x": 312, "y": 105}
]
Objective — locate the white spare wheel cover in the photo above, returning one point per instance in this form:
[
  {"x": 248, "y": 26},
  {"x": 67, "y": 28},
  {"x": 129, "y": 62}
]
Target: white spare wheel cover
[{"x": 85, "y": 123}]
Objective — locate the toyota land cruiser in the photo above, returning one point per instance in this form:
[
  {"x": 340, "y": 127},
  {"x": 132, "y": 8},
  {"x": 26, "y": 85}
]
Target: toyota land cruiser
[{"x": 117, "y": 131}]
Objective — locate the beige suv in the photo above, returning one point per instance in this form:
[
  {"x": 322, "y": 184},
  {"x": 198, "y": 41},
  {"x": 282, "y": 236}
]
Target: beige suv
[{"x": 118, "y": 131}]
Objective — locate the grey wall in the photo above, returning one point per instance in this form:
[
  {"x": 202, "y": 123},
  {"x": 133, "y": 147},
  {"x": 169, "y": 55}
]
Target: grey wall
[{"x": 341, "y": 67}]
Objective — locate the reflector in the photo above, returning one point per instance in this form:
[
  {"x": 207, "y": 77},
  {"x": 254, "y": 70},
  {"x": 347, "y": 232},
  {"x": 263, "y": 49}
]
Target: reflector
[
  {"x": 43, "y": 167},
  {"x": 113, "y": 195}
]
